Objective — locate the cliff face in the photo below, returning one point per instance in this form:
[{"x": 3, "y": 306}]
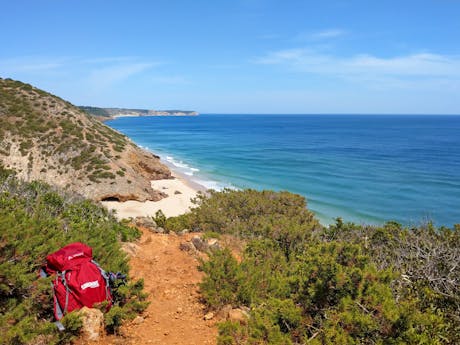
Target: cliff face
[{"x": 43, "y": 137}]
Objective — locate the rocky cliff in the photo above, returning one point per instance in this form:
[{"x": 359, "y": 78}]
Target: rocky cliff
[{"x": 43, "y": 137}]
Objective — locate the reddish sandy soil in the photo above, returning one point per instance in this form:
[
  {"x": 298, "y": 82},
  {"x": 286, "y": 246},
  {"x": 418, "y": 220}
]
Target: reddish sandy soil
[{"x": 175, "y": 314}]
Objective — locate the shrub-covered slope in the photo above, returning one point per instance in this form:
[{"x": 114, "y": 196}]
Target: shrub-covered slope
[
  {"x": 345, "y": 284},
  {"x": 43, "y": 137},
  {"x": 36, "y": 220}
]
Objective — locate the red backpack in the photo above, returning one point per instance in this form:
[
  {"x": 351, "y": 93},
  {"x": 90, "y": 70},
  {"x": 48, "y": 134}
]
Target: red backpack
[{"x": 79, "y": 280}]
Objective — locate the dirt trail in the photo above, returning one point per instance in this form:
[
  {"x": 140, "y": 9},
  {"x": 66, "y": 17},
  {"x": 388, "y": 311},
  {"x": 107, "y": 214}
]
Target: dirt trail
[{"x": 175, "y": 315}]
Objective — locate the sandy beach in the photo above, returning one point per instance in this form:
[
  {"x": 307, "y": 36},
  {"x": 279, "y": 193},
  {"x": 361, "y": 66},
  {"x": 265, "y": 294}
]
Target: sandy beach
[{"x": 180, "y": 191}]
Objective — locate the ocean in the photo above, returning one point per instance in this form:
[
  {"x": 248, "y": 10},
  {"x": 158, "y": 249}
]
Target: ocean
[{"x": 367, "y": 169}]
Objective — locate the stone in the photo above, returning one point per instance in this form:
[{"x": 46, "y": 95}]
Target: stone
[
  {"x": 209, "y": 316},
  {"x": 199, "y": 244},
  {"x": 130, "y": 248},
  {"x": 159, "y": 230},
  {"x": 138, "y": 320},
  {"x": 238, "y": 315},
  {"x": 223, "y": 312},
  {"x": 93, "y": 323},
  {"x": 177, "y": 192},
  {"x": 187, "y": 247},
  {"x": 146, "y": 222},
  {"x": 184, "y": 231},
  {"x": 213, "y": 244}
]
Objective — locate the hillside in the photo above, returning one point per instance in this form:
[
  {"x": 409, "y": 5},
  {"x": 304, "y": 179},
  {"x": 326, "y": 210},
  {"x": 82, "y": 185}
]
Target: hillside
[
  {"x": 43, "y": 137},
  {"x": 109, "y": 113}
]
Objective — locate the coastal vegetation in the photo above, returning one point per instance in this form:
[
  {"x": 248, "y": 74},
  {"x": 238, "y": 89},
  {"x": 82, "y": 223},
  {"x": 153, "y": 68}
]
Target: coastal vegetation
[
  {"x": 24, "y": 108},
  {"x": 35, "y": 220},
  {"x": 301, "y": 282},
  {"x": 341, "y": 284},
  {"x": 100, "y": 113},
  {"x": 43, "y": 137}
]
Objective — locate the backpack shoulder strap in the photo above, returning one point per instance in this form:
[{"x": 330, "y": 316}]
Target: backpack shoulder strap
[
  {"x": 67, "y": 290},
  {"x": 59, "y": 312}
]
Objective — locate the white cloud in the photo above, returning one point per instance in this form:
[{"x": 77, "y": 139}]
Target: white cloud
[
  {"x": 107, "y": 59},
  {"x": 106, "y": 76},
  {"x": 30, "y": 65},
  {"x": 325, "y": 34},
  {"x": 415, "y": 67},
  {"x": 117, "y": 65},
  {"x": 93, "y": 73},
  {"x": 322, "y": 35}
]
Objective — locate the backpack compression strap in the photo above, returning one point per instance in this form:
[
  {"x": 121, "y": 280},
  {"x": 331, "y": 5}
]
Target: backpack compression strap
[{"x": 106, "y": 278}]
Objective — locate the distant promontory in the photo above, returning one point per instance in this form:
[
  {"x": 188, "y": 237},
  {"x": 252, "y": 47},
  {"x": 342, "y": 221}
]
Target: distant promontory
[{"x": 110, "y": 113}]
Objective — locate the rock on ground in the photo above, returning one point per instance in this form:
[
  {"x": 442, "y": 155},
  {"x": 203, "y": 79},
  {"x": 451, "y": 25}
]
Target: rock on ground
[
  {"x": 93, "y": 323},
  {"x": 238, "y": 315},
  {"x": 130, "y": 248},
  {"x": 202, "y": 245},
  {"x": 146, "y": 222}
]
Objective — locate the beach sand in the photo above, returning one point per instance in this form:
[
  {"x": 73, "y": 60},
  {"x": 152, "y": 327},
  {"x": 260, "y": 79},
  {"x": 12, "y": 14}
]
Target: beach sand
[{"x": 180, "y": 191}]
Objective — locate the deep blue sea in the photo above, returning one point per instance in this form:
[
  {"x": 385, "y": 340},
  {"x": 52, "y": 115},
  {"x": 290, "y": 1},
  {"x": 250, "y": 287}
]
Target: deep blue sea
[{"x": 363, "y": 168}]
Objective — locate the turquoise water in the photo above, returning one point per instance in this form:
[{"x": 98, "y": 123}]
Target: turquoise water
[{"x": 366, "y": 169}]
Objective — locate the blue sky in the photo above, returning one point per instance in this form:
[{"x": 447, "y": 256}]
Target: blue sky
[{"x": 240, "y": 56}]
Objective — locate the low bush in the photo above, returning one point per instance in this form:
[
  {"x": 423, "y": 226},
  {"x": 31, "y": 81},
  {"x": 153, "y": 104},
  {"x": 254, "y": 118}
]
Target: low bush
[
  {"x": 281, "y": 216},
  {"x": 36, "y": 220},
  {"x": 344, "y": 284}
]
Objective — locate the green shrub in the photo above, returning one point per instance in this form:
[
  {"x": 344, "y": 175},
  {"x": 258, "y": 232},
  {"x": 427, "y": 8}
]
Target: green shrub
[
  {"x": 273, "y": 321},
  {"x": 36, "y": 220},
  {"x": 210, "y": 234},
  {"x": 281, "y": 216},
  {"x": 177, "y": 224},
  {"x": 345, "y": 284},
  {"x": 160, "y": 218},
  {"x": 221, "y": 284},
  {"x": 232, "y": 333},
  {"x": 113, "y": 319},
  {"x": 265, "y": 273},
  {"x": 73, "y": 324}
]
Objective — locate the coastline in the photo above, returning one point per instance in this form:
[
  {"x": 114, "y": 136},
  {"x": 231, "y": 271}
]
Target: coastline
[
  {"x": 114, "y": 117},
  {"x": 338, "y": 167},
  {"x": 180, "y": 191}
]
